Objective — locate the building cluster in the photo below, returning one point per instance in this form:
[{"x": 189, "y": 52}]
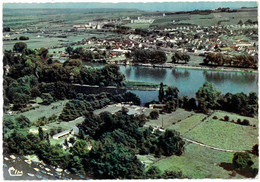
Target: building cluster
[{"x": 200, "y": 40}]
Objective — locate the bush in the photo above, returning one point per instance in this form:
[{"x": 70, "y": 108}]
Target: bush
[
  {"x": 19, "y": 46},
  {"x": 255, "y": 150},
  {"x": 154, "y": 114},
  {"x": 215, "y": 117},
  {"x": 23, "y": 38},
  {"x": 238, "y": 121},
  {"x": 245, "y": 122},
  {"x": 242, "y": 160},
  {"x": 226, "y": 118}
]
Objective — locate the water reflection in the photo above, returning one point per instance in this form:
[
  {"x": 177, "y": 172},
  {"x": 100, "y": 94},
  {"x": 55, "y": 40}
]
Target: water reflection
[
  {"x": 152, "y": 73},
  {"x": 179, "y": 74},
  {"x": 239, "y": 78}
]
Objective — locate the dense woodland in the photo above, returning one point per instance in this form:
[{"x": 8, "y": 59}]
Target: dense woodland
[
  {"x": 244, "y": 60},
  {"x": 30, "y": 73}
]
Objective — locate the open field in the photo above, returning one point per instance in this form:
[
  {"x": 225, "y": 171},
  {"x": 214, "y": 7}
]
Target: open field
[
  {"x": 199, "y": 162},
  {"x": 169, "y": 119},
  {"x": 216, "y": 133},
  {"x": 45, "y": 110},
  {"x": 225, "y": 135},
  {"x": 214, "y": 18},
  {"x": 188, "y": 124}
]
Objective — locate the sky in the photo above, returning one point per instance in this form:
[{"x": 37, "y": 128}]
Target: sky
[{"x": 154, "y": 6}]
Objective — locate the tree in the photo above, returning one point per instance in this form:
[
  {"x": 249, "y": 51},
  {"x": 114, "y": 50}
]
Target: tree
[
  {"x": 185, "y": 58},
  {"x": 23, "y": 38},
  {"x": 208, "y": 96},
  {"x": 171, "y": 143},
  {"x": 114, "y": 161},
  {"x": 47, "y": 98},
  {"x": 19, "y": 46},
  {"x": 40, "y": 133},
  {"x": 154, "y": 114},
  {"x": 161, "y": 92},
  {"x": 43, "y": 52},
  {"x": 172, "y": 93},
  {"x": 153, "y": 173},
  {"x": 23, "y": 121},
  {"x": 240, "y": 22},
  {"x": 255, "y": 150},
  {"x": 242, "y": 160},
  {"x": 69, "y": 50}
]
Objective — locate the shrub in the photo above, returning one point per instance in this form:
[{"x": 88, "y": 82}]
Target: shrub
[
  {"x": 154, "y": 114},
  {"x": 238, "y": 121},
  {"x": 226, "y": 118},
  {"x": 23, "y": 38},
  {"x": 255, "y": 150},
  {"x": 242, "y": 160},
  {"x": 215, "y": 117},
  {"x": 245, "y": 122}
]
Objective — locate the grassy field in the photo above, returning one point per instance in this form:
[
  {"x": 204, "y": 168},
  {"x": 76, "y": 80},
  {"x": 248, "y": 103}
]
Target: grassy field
[
  {"x": 138, "y": 25},
  {"x": 199, "y": 162},
  {"x": 45, "y": 110},
  {"x": 188, "y": 123},
  {"x": 225, "y": 135},
  {"x": 169, "y": 119}
]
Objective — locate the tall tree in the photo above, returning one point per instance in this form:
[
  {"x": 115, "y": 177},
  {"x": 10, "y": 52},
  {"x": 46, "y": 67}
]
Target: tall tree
[
  {"x": 41, "y": 134},
  {"x": 161, "y": 92}
]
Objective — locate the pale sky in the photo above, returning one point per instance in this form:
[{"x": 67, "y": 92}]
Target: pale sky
[{"x": 156, "y": 6}]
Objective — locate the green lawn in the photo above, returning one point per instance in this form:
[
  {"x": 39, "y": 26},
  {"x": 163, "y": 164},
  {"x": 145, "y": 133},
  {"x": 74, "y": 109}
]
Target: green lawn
[
  {"x": 188, "y": 123},
  {"x": 45, "y": 110},
  {"x": 225, "y": 135},
  {"x": 169, "y": 119},
  {"x": 199, "y": 162}
]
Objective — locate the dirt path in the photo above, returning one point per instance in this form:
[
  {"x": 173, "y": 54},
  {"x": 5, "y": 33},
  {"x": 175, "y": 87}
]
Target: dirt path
[{"x": 208, "y": 146}]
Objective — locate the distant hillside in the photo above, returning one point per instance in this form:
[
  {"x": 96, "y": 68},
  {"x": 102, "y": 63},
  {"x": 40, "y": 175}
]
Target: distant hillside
[{"x": 8, "y": 12}]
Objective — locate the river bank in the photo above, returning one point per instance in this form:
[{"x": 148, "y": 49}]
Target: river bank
[{"x": 198, "y": 67}]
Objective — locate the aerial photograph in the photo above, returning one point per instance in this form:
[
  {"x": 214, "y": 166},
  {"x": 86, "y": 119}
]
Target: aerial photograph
[{"x": 129, "y": 90}]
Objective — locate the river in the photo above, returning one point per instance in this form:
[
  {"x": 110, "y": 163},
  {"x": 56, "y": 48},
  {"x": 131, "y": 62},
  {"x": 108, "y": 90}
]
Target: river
[{"x": 188, "y": 81}]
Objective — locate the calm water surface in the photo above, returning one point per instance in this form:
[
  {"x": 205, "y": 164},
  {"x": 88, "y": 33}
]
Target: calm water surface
[{"x": 188, "y": 81}]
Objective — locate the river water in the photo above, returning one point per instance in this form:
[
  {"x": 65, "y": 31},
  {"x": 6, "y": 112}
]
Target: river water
[{"x": 188, "y": 81}]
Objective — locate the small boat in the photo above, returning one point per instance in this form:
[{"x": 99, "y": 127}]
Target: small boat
[
  {"x": 30, "y": 174},
  {"x": 52, "y": 167},
  {"x": 4, "y": 164},
  {"x": 38, "y": 176},
  {"x": 41, "y": 166},
  {"x": 6, "y": 158},
  {"x": 18, "y": 158},
  {"x": 47, "y": 169},
  {"x": 88, "y": 178},
  {"x": 44, "y": 164},
  {"x": 50, "y": 174},
  {"x": 36, "y": 169},
  {"x": 45, "y": 178},
  {"x": 13, "y": 157},
  {"x": 11, "y": 160},
  {"x": 42, "y": 171}
]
